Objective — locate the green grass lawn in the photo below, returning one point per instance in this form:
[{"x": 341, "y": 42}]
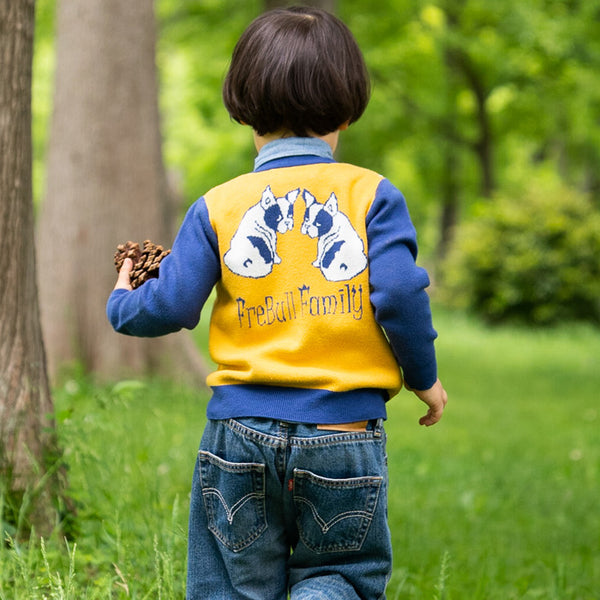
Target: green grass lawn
[
  {"x": 503, "y": 492},
  {"x": 497, "y": 501}
]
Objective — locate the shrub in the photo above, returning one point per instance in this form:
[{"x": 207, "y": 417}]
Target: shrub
[{"x": 531, "y": 257}]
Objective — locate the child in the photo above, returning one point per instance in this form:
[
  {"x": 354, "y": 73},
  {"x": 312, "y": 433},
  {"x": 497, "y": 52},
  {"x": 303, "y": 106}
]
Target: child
[{"x": 320, "y": 313}]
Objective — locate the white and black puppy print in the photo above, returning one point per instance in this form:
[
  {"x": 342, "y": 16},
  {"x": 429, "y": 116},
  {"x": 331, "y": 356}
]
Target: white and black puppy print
[
  {"x": 253, "y": 249},
  {"x": 340, "y": 250}
]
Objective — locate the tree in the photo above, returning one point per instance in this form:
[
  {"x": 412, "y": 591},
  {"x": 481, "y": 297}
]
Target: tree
[
  {"x": 29, "y": 478},
  {"x": 466, "y": 96},
  {"x": 464, "y": 90},
  {"x": 106, "y": 184}
]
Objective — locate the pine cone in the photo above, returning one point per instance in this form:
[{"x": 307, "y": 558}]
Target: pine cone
[{"x": 145, "y": 262}]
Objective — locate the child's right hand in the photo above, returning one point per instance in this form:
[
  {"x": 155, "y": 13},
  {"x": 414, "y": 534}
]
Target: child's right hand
[
  {"x": 436, "y": 398},
  {"x": 124, "y": 279}
]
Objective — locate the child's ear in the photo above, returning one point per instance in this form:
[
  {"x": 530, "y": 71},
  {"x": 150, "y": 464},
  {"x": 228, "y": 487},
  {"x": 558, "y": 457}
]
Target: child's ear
[{"x": 344, "y": 126}]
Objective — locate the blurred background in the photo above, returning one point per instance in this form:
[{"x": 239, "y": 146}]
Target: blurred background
[{"x": 485, "y": 114}]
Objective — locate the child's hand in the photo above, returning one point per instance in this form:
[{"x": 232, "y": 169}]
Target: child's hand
[
  {"x": 123, "y": 281},
  {"x": 436, "y": 398}
]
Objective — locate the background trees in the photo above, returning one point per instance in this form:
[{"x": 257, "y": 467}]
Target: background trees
[
  {"x": 106, "y": 184},
  {"x": 467, "y": 94},
  {"x": 471, "y": 100},
  {"x": 29, "y": 482}
]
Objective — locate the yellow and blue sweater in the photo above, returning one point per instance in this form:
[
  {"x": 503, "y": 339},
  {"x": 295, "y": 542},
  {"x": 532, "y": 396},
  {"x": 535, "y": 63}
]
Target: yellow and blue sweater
[{"x": 320, "y": 308}]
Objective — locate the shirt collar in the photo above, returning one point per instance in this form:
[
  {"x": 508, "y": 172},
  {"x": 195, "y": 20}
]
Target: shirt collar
[{"x": 294, "y": 146}]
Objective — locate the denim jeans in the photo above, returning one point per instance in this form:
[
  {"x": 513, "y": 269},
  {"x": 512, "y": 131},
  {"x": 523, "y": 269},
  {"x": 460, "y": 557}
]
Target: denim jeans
[{"x": 284, "y": 508}]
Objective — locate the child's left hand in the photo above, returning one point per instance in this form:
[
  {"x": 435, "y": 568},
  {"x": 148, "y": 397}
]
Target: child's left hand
[
  {"x": 124, "y": 280},
  {"x": 436, "y": 399}
]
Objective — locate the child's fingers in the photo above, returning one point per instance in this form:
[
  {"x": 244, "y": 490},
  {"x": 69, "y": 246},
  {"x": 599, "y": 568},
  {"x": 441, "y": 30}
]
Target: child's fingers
[
  {"x": 432, "y": 417},
  {"x": 123, "y": 281},
  {"x": 436, "y": 398}
]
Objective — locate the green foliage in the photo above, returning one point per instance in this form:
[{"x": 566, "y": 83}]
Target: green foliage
[
  {"x": 534, "y": 65},
  {"x": 202, "y": 147},
  {"x": 43, "y": 72},
  {"x": 531, "y": 255}
]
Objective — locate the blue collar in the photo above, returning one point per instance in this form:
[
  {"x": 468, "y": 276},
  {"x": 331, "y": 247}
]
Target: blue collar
[{"x": 295, "y": 146}]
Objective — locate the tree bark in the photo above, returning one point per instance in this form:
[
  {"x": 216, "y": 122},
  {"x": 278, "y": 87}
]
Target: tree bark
[
  {"x": 450, "y": 168},
  {"x": 484, "y": 145},
  {"x": 29, "y": 482},
  {"x": 450, "y": 203},
  {"x": 459, "y": 61},
  {"x": 106, "y": 184}
]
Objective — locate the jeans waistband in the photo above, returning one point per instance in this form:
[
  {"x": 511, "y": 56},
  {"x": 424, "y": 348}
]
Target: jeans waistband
[{"x": 281, "y": 433}]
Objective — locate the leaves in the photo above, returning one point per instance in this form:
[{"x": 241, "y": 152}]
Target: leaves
[
  {"x": 497, "y": 86},
  {"x": 529, "y": 256}
]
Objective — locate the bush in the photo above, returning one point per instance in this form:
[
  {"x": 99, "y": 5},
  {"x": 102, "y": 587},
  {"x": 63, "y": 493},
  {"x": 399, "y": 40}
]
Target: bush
[{"x": 531, "y": 257}]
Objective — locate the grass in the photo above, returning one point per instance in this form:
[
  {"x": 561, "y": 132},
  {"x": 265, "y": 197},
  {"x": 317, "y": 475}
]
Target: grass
[
  {"x": 500, "y": 497},
  {"x": 498, "y": 501},
  {"x": 130, "y": 450}
]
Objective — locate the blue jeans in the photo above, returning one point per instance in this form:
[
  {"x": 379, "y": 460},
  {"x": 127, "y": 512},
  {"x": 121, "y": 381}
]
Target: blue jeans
[{"x": 282, "y": 508}]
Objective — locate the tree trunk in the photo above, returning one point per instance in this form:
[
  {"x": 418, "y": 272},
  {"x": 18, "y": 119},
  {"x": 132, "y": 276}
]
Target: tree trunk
[
  {"x": 484, "y": 145},
  {"x": 106, "y": 184},
  {"x": 458, "y": 60},
  {"x": 27, "y": 441},
  {"x": 450, "y": 203},
  {"x": 450, "y": 168}
]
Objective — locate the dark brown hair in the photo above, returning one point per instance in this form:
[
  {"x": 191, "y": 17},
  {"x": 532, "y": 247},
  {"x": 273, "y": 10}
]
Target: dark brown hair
[{"x": 297, "y": 69}]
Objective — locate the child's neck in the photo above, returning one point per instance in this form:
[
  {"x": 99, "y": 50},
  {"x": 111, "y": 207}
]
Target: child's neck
[{"x": 263, "y": 140}]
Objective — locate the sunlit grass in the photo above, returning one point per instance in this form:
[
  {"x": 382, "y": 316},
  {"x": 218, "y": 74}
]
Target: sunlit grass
[
  {"x": 498, "y": 501},
  {"x": 506, "y": 484},
  {"x": 130, "y": 449}
]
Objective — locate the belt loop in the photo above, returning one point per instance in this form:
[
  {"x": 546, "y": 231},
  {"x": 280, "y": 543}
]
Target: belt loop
[
  {"x": 378, "y": 429},
  {"x": 284, "y": 429}
]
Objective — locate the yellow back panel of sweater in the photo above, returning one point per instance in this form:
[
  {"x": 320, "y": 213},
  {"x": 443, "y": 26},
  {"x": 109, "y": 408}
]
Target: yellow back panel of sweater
[{"x": 292, "y": 306}]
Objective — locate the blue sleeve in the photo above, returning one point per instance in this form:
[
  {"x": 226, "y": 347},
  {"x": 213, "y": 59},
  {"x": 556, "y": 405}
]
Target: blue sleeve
[
  {"x": 186, "y": 278},
  {"x": 398, "y": 285}
]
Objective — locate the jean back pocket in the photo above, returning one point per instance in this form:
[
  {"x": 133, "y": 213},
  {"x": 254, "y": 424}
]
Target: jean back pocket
[
  {"x": 234, "y": 498},
  {"x": 334, "y": 515}
]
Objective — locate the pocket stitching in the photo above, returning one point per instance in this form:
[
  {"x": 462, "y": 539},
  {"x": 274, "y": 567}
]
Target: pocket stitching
[
  {"x": 229, "y": 467},
  {"x": 327, "y": 525},
  {"x": 230, "y": 511},
  {"x": 372, "y": 486}
]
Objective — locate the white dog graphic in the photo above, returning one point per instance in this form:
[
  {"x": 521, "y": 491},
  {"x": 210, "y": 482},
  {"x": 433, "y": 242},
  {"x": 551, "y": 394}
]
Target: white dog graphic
[
  {"x": 340, "y": 251},
  {"x": 253, "y": 248}
]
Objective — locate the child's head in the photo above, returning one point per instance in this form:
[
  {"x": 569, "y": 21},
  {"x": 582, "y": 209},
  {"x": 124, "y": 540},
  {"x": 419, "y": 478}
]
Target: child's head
[{"x": 296, "y": 70}]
